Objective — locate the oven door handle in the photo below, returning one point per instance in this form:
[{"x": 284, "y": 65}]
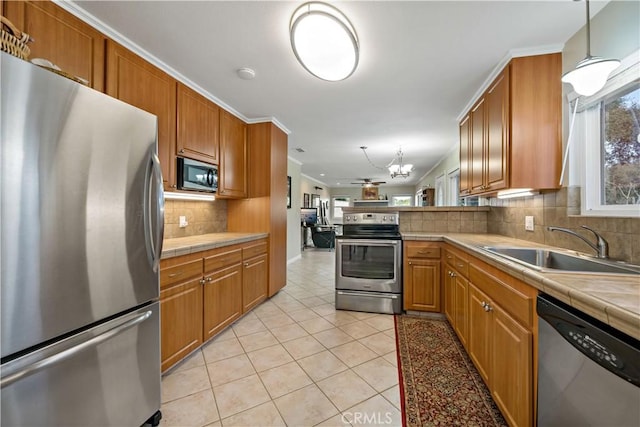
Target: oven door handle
[
  {"x": 369, "y": 242},
  {"x": 369, "y": 294}
]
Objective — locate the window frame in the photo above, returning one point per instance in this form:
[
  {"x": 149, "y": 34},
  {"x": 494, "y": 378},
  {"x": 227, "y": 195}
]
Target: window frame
[{"x": 586, "y": 151}]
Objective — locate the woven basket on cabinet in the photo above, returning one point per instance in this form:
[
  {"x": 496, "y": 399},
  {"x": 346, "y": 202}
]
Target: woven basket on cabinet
[{"x": 13, "y": 41}]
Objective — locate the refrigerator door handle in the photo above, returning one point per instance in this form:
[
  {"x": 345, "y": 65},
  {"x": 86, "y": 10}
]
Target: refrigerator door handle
[
  {"x": 154, "y": 207},
  {"x": 58, "y": 357}
]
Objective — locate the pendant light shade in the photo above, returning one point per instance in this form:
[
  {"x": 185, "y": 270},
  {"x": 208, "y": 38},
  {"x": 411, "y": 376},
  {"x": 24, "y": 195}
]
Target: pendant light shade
[
  {"x": 590, "y": 74},
  {"x": 324, "y": 41}
]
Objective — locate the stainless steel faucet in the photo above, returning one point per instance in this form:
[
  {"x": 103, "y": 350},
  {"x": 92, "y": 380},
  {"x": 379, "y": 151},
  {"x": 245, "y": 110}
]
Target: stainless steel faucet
[{"x": 601, "y": 246}]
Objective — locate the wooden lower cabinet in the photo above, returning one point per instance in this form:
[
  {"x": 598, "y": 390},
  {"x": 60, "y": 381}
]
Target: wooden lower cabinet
[
  {"x": 180, "y": 321},
  {"x": 254, "y": 282},
  {"x": 479, "y": 342},
  {"x": 222, "y": 299},
  {"x": 421, "y": 276},
  {"x": 204, "y": 292},
  {"x": 493, "y": 315},
  {"x": 512, "y": 369},
  {"x": 461, "y": 308}
]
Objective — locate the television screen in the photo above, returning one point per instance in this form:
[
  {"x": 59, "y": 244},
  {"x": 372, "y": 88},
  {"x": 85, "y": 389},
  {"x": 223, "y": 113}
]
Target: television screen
[{"x": 308, "y": 215}]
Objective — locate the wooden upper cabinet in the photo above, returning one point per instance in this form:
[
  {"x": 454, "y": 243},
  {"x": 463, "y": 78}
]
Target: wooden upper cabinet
[
  {"x": 536, "y": 121},
  {"x": 517, "y": 143},
  {"x": 61, "y": 38},
  {"x": 233, "y": 157},
  {"x": 198, "y": 126},
  {"x": 135, "y": 81},
  {"x": 497, "y": 143},
  {"x": 476, "y": 150},
  {"x": 465, "y": 139}
]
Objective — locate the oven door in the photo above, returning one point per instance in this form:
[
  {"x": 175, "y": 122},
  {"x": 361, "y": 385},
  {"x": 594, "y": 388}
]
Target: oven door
[{"x": 369, "y": 265}]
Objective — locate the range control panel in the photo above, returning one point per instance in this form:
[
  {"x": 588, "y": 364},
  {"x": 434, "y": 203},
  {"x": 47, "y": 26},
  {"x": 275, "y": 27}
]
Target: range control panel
[{"x": 371, "y": 218}]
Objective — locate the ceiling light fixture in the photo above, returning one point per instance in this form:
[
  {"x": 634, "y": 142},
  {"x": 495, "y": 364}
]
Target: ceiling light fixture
[
  {"x": 590, "y": 74},
  {"x": 324, "y": 41},
  {"x": 246, "y": 73},
  {"x": 399, "y": 170}
]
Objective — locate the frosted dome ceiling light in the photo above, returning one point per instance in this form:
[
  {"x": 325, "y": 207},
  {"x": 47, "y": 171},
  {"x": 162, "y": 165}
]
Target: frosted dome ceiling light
[
  {"x": 324, "y": 41},
  {"x": 590, "y": 75}
]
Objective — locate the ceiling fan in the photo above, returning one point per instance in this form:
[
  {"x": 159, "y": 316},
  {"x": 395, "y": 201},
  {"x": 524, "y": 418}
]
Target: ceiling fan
[{"x": 368, "y": 182}]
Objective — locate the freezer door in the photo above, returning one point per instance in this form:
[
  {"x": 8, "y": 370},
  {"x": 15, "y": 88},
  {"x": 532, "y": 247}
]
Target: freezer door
[
  {"x": 81, "y": 206},
  {"x": 107, "y": 376}
]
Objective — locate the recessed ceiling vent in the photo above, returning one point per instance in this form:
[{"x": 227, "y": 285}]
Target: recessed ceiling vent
[{"x": 299, "y": 150}]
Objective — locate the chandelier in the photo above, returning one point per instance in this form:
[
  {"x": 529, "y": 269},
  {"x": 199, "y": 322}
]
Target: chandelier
[{"x": 397, "y": 168}]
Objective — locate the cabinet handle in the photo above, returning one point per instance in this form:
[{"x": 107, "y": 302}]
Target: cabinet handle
[
  {"x": 174, "y": 186},
  {"x": 202, "y": 281},
  {"x": 181, "y": 150},
  {"x": 179, "y": 273},
  {"x": 410, "y": 263},
  {"x": 460, "y": 265},
  {"x": 486, "y": 307},
  {"x": 209, "y": 279},
  {"x": 246, "y": 264}
]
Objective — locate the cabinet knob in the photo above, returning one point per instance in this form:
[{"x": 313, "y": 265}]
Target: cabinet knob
[
  {"x": 209, "y": 279},
  {"x": 486, "y": 307},
  {"x": 410, "y": 263},
  {"x": 246, "y": 264},
  {"x": 181, "y": 150},
  {"x": 202, "y": 281},
  {"x": 174, "y": 186}
]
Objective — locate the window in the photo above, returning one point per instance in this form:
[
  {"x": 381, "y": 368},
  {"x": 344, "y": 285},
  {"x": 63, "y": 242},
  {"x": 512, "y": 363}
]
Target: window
[
  {"x": 620, "y": 148},
  {"x": 401, "y": 200},
  {"x": 605, "y": 151},
  {"x": 440, "y": 191},
  {"x": 337, "y": 204}
]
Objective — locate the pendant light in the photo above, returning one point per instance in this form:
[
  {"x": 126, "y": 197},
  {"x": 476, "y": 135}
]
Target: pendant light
[
  {"x": 590, "y": 74},
  {"x": 324, "y": 41}
]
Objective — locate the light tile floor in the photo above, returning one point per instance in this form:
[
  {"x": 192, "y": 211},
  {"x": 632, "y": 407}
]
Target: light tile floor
[{"x": 294, "y": 360}]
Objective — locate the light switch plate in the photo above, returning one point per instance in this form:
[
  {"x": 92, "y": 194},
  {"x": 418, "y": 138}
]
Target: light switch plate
[
  {"x": 183, "y": 221},
  {"x": 528, "y": 223}
]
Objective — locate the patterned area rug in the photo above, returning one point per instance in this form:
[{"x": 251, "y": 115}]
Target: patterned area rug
[{"x": 439, "y": 384}]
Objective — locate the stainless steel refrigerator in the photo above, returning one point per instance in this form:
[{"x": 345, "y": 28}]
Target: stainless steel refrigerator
[{"x": 81, "y": 210}]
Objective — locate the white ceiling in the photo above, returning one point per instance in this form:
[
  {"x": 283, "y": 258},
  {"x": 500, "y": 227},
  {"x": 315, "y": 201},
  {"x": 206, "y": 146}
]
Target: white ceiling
[{"x": 420, "y": 65}]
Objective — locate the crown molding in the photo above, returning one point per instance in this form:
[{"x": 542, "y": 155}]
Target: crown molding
[
  {"x": 291, "y": 159},
  {"x": 314, "y": 179},
  {"x": 513, "y": 53},
  {"x": 80, "y": 13}
]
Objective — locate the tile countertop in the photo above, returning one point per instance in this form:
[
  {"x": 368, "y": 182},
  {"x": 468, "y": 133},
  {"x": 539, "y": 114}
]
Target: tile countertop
[
  {"x": 611, "y": 298},
  {"x": 186, "y": 245}
]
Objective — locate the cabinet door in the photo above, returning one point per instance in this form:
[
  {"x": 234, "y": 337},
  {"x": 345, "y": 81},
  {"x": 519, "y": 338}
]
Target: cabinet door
[
  {"x": 479, "y": 340},
  {"x": 233, "y": 156},
  {"x": 180, "y": 321},
  {"x": 476, "y": 151},
  {"x": 222, "y": 299},
  {"x": 465, "y": 165},
  {"x": 198, "y": 126},
  {"x": 422, "y": 285},
  {"x": 512, "y": 369},
  {"x": 134, "y": 81},
  {"x": 460, "y": 308},
  {"x": 254, "y": 282},
  {"x": 497, "y": 152},
  {"x": 449, "y": 288},
  {"x": 61, "y": 38}
]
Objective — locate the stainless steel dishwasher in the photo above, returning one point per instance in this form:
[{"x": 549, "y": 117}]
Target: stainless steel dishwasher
[{"x": 588, "y": 372}]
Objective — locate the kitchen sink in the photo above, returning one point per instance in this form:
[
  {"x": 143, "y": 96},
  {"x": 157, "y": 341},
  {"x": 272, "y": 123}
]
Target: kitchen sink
[{"x": 552, "y": 260}]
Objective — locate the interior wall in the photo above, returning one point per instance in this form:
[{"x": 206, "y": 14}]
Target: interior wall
[
  {"x": 293, "y": 215},
  {"x": 447, "y": 164},
  {"x": 310, "y": 186}
]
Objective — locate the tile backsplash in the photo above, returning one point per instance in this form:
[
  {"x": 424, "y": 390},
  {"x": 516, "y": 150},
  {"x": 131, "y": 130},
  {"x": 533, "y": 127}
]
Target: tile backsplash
[
  {"x": 203, "y": 217},
  {"x": 561, "y": 209},
  {"x": 469, "y": 220}
]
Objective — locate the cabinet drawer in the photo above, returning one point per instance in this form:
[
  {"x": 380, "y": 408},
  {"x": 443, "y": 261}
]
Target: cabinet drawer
[
  {"x": 422, "y": 251},
  {"x": 254, "y": 250},
  {"x": 516, "y": 303},
  {"x": 462, "y": 265},
  {"x": 224, "y": 259},
  {"x": 449, "y": 257},
  {"x": 180, "y": 273}
]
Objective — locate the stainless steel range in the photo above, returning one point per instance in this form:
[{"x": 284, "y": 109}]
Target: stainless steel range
[{"x": 369, "y": 263}]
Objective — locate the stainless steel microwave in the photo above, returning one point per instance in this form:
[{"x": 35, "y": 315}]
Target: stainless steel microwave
[{"x": 197, "y": 176}]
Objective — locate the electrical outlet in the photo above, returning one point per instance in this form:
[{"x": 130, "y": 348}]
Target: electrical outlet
[
  {"x": 183, "y": 221},
  {"x": 528, "y": 223}
]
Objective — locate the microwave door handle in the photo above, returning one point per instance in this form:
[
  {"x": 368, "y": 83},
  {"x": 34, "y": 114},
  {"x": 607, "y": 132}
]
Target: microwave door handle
[
  {"x": 210, "y": 177},
  {"x": 154, "y": 208}
]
